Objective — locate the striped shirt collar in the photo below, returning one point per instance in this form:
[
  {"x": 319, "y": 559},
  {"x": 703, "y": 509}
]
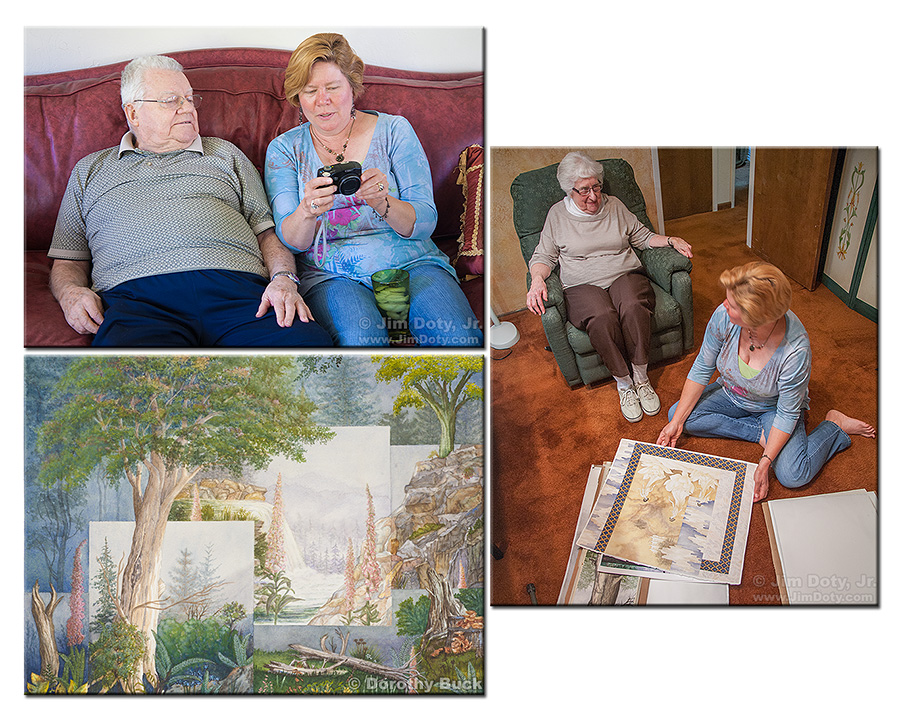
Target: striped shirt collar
[{"x": 127, "y": 144}]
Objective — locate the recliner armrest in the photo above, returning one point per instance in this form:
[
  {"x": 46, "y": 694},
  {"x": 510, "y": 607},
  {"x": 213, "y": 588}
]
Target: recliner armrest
[{"x": 662, "y": 262}]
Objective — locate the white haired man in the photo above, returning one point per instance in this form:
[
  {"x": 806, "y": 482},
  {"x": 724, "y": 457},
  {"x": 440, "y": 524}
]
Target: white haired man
[{"x": 168, "y": 239}]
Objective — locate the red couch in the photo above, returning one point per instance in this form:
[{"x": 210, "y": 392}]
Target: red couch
[{"x": 71, "y": 114}]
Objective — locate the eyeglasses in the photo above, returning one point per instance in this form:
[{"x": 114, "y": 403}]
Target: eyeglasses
[
  {"x": 176, "y": 101},
  {"x": 585, "y": 191}
]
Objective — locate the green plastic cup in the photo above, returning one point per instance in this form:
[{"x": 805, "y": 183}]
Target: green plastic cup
[{"x": 391, "y": 287}]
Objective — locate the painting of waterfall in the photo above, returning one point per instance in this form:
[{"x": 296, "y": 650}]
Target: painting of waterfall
[{"x": 323, "y": 506}]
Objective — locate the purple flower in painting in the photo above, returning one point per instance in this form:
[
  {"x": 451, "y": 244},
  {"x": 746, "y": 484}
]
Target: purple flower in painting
[{"x": 349, "y": 579}]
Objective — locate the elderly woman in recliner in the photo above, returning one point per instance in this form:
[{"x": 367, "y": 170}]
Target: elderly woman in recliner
[{"x": 607, "y": 293}]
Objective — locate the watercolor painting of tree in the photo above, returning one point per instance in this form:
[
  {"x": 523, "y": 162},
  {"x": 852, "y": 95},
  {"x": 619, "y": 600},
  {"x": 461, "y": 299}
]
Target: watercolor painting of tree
[
  {"x": 443, "y": 383},
  {"x": 156, "y": 421}
]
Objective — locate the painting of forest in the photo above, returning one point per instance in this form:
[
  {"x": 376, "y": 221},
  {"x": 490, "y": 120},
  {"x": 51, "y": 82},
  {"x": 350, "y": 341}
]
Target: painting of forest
[{"x": 254, "y": 524}]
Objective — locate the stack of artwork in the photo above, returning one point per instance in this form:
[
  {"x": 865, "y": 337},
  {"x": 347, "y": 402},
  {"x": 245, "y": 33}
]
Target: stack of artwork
[{"x": 665, "y": 513}]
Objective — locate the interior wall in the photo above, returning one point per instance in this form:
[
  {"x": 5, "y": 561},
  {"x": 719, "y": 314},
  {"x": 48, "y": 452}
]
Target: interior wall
[
  {"x": 507, "y": 266},
  {"x": 434, "y": 49}
]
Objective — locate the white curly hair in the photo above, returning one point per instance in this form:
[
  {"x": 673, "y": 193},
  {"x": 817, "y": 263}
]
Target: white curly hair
[{"x": 575, "y": 166}]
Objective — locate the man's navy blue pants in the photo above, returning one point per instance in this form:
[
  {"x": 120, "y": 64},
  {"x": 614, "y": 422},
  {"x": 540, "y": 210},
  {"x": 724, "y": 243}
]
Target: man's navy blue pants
[{"x": 205, "y": 308}]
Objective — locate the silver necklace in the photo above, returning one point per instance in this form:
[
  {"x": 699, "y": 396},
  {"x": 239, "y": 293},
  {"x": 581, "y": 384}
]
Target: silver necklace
[{"x": 753, "y": 345}]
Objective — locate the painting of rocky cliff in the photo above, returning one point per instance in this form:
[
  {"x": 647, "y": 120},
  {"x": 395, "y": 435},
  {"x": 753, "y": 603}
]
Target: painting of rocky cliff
[{"x": 254, "y": 524}]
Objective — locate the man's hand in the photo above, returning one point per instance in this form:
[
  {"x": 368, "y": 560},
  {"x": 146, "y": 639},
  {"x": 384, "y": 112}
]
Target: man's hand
[
  {"x": 70, "y": 284},
  {"x": 83, "y": 309},
  {"x": 282, "y": 296}
]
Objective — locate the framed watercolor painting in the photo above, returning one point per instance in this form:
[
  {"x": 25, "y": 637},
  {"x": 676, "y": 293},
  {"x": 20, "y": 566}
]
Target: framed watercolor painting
[{"x": 665, "y": 511}]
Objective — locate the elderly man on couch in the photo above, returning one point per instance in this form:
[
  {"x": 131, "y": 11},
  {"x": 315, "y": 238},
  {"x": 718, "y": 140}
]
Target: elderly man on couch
[{"x": 168, "y": 239}]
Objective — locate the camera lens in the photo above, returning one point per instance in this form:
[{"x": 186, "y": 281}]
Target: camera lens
[{"x": 349, "y": 184}]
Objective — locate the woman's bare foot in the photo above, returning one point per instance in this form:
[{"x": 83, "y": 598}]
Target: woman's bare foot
[{"x": 849, "y": 425}]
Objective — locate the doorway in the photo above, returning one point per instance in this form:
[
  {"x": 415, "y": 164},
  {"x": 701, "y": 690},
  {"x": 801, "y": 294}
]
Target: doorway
[{"x": 742, "y": 176}]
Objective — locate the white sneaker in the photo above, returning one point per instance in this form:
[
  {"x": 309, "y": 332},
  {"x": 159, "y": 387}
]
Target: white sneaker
[
  {"x": 648, "y": 398},
  {"x": 630, "y": 404}
]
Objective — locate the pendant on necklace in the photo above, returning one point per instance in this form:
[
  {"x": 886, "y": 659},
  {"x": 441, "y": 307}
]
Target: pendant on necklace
[
  {"x": 338, "y": 157},
  {"x": 753, "y": 346}
]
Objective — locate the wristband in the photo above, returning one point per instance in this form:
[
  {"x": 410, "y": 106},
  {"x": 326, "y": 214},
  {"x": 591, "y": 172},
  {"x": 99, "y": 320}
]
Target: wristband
[{"x": 290, "y": 275}]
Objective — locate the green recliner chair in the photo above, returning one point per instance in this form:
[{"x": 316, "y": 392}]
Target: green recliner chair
[{"x": 672, "y": 326}]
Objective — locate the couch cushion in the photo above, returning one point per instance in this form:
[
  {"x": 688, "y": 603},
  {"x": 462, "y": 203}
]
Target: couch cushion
[
  {"x": 63, "y": 123},
  {"x": 244, "y": 105},
  {"x": 47, "y": 326}
]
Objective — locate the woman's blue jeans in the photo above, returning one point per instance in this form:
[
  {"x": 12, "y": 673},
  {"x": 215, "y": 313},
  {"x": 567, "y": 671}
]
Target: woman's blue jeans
[
  {"x": 801, "y": 458},
  {"x": 439, "y": 313}
]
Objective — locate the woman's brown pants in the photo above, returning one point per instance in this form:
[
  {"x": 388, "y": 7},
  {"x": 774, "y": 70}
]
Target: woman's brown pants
[{"x": 616, "y": 319}]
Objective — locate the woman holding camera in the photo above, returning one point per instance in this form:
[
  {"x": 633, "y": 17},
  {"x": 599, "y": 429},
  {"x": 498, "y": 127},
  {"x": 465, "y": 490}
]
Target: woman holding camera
[{"x": 351, "y": 195}]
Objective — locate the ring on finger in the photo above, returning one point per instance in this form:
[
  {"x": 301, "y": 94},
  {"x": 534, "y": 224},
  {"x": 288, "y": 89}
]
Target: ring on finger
[
  {"x": 381, "y": 187},
  {"x": 314, "y": 205}
]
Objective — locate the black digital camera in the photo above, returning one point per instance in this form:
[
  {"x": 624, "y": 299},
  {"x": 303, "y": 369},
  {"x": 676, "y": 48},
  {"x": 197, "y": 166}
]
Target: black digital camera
[{"x": 347, "y": 176}]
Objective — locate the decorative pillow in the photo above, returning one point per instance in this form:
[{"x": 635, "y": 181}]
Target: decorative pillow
[{"x": 470, "y": 257}]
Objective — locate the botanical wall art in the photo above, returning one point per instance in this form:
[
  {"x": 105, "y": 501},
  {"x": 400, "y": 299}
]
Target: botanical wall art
[
  {"x": 850, "y": 267},
  {"x": 263, "y": 524}
]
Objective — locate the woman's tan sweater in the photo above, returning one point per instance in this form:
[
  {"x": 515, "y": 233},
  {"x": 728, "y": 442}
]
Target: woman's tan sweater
[{"x": 594, "y": 249}]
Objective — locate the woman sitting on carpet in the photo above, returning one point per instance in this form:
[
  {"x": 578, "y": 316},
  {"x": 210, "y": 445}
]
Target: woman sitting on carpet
[
  {"x": 606, "y": 290},
  {"x": 762, "y": 353},
  {"x": 383, "y": 219}
]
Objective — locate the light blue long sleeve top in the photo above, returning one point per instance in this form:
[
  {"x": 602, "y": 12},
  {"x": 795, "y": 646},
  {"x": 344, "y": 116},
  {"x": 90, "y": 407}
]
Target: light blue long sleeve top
[
  {"x": 783, "y": 384},
  {"x": 358, "y": 242}
]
